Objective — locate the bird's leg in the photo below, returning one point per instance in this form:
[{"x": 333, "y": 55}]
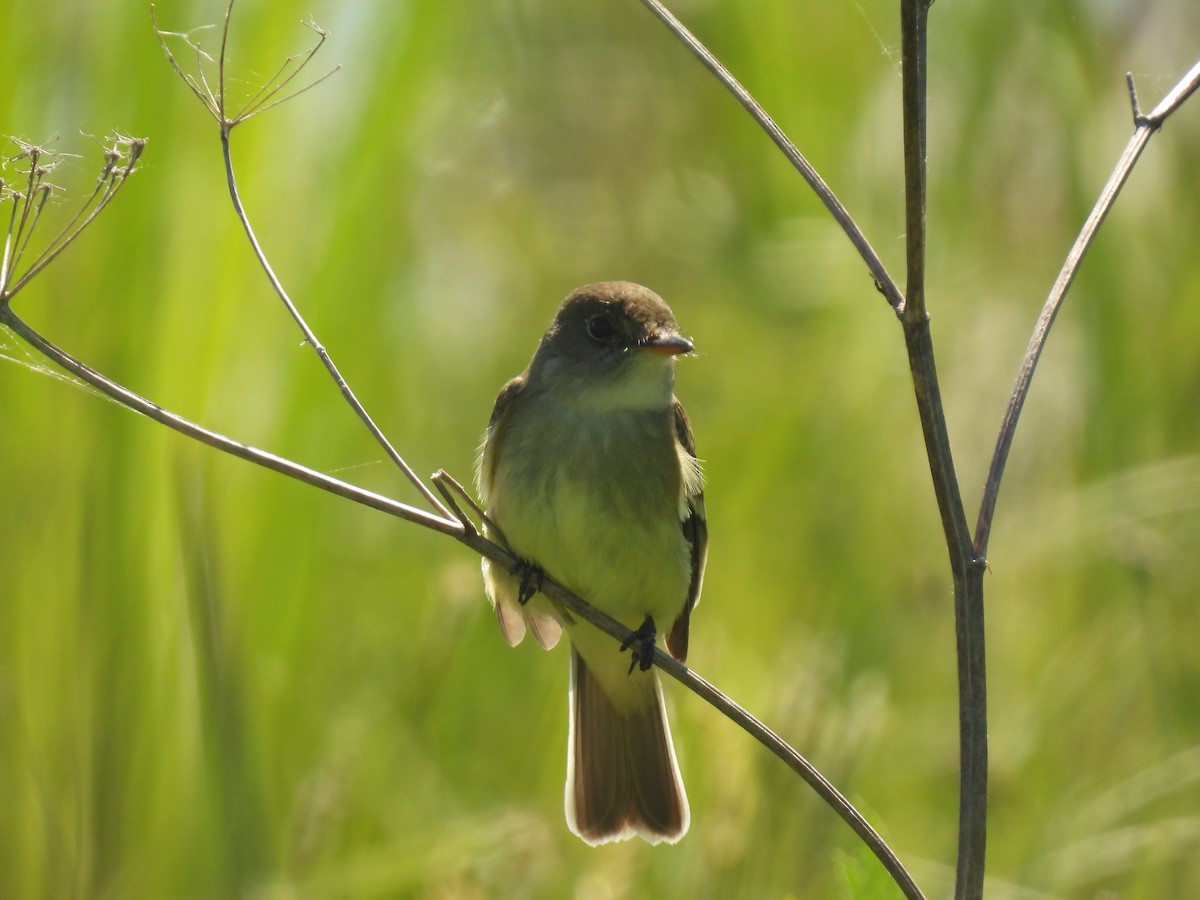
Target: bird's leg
[
  {"x": 640, "y": 644},
  {"x": 531, "y": 579}
]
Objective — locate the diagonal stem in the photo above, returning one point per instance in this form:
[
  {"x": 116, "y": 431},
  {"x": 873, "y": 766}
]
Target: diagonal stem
[
  {"x": 966, "y": 570},
  {"x": 883, "y": 280},
  {"x": 914, "y": 21},
  {"x": 125, "y": 397},
  {"x": 1144, "y": 128},
  {"x": 310, "y": 337}
]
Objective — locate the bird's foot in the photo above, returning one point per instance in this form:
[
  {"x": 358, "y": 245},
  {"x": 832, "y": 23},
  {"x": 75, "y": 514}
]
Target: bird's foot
[
  {"x": 531, "y": 576},
  {"x": 640, "y": 644}
]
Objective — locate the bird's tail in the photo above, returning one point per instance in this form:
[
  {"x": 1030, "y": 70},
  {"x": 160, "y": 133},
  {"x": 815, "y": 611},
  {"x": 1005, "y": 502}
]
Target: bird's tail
[{"x": 622, "y": 776}]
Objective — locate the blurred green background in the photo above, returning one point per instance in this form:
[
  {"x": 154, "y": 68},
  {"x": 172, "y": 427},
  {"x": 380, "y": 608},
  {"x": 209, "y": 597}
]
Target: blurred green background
[{"x": 217, "y": 682}]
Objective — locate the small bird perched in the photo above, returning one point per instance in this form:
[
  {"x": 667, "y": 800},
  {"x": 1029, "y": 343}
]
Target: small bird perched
[{"x": 589, "y": 474}]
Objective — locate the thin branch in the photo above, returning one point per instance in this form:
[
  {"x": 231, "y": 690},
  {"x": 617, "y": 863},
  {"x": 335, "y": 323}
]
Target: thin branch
[
  {"x": 914, "y": 16},
  {"x": 190, "y": 429},
  {"x": 269, "y": 95},
  {"x": 798, "y": 764},
  {"x": 221, "y": 57},
  {"x": 966, "y": 570},
  {"x": 451, "y": 491},
  {"x": 451, "y": 488},
  {"x": 967, "y": 573},
  {"x": 117, "y": 168},
  {"x": 120, "y": 158},
  {"x": 883, "y": 281},
  {"x": 1144, "y": 128},
  {"x": 198, "y": 84},
  {"x": 311, "y": 339}
]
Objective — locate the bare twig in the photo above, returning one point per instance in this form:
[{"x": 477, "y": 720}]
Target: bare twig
[
  {"x": 190, "y": 429},
  {"x": 910, "y": 307},
  {"x": 270, "y": 95},
  {"x": 311, "y": 339},
  {"x": 1144, "y": 128},
  {"x": 451, "y": 492},
  {"x": 883, "y": 281},
  {"x": 121, "y": 155}
]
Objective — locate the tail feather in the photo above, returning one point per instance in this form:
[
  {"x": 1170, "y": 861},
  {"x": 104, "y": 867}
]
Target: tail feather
[{"x": 622, "y": 776}]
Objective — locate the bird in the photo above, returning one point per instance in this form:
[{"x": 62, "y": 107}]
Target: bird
[{"x": 589, "y": 475}]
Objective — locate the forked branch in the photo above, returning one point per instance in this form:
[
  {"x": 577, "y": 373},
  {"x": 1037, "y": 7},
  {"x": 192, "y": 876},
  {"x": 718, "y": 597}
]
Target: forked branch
[
  {"x": 30, "y": 193},
  {"x": 270, "y": 94},
  {"x": 1145, "y": 125}
]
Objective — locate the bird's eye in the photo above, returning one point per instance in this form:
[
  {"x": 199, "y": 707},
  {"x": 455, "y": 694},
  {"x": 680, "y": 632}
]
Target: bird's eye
[{"x": 600, "y": 329}]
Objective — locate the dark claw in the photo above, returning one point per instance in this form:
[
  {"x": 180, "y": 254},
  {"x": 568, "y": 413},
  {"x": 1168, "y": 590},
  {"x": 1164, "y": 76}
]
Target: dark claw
[
  {"x": 641, "y": 645},
  {"x": 531, "y": 579}
]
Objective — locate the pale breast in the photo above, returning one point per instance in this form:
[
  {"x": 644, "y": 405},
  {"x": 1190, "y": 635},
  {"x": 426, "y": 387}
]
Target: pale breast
[{"x": 595, "y": 501}]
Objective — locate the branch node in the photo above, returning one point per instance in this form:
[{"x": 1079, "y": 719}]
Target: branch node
[
  {"x": 1133, "y": 99},
  {"x": 448, "y": 486},
  {"x": 30, "y": 193},
  {"x": 271, "y": 93},
  {"x": 1140, "y": 119}
]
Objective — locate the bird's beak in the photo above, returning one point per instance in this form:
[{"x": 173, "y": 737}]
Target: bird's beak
[{"x": 667, "y": 345}]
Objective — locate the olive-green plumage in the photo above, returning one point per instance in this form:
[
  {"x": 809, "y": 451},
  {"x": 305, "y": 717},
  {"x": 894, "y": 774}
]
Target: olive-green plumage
[{"x": 589, "y": 471}]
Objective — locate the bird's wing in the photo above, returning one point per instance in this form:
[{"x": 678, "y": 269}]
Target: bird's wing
[
  {"x": 501, "y": 586},
  {"x": 485, "y": 465},
  {"x": 695, "y": 532}
]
